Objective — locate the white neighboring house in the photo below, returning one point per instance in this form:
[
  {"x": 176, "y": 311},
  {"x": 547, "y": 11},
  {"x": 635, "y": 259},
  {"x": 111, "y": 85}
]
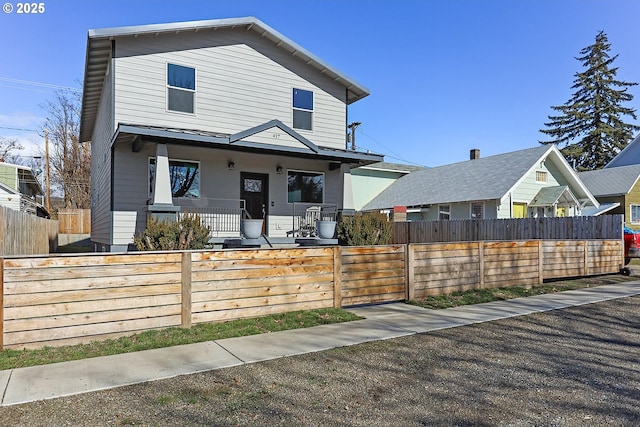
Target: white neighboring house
[
  {"x": 535, "y": 182},
  {"x": 211, "y": 117},
  {"x": 630, "y": 155},
  {"x": 20, "y": 189}
]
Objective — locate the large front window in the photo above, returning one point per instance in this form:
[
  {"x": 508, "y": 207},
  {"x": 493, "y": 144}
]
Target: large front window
[
  {"x": 184, "y": 176},
  {"x": 181, "y": 88},
  {"x": 302, "y": 109},
  {"x": 306, "y": 187}
]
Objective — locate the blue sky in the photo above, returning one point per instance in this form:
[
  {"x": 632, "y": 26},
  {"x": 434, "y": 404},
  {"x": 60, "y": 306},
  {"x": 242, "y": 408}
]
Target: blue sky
[{"x": 444, "y": 76}]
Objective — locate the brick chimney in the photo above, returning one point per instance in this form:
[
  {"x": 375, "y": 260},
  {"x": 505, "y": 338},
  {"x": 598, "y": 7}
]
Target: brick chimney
[{"x": 474, "y": 154}]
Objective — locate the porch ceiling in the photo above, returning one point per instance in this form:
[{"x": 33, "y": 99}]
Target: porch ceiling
[{"x": 137, "y": 135}]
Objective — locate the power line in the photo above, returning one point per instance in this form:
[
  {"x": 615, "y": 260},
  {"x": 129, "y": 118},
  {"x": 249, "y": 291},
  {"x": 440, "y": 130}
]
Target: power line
[
  {"x": 398, "y": 157},
  {"x": 40, "y": 84},
  {"x": 20, "y": 129}
]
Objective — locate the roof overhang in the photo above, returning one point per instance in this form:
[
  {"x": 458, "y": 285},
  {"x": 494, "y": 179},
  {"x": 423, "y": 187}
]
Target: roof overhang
[
  {"x": 604, "y": 208},
  {"x": 99, "y": 45},
  {"x": 551, "y": 196},
  {"x": 138, "y": 135}
]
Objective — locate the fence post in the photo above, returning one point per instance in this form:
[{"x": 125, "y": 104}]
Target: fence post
[
  {"x": 585, "y": 267},
  {"x": 337, "y": 276},
  {"x": 540, "y": 262},
  {"x": 481, "y": 265},
  {"x": 1, "y": 304},
  {"x": 185, "y": 276},
  {"x": 409, "y": 262}
]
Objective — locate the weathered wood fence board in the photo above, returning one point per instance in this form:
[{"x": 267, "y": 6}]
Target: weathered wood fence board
[
  {"x": 74, "y": 221},
  {"x": 69, "y": 299},
  {"x": 471, "y": 230},
  {"x": 25, "y": 234}
]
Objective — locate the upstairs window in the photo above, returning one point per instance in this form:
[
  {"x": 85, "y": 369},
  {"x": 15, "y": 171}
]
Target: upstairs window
[
  {"x": 181, "y": 88},
  {"x": 541, "y": 176},
  {"x": 302, "y": 109}
]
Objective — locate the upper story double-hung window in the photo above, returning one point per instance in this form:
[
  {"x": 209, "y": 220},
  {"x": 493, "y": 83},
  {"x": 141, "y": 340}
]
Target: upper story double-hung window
[
  {"x": 302, "y": 109},
  {"x": 181, "y": 88}
]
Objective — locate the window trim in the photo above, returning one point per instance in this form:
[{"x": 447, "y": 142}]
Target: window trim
[
  {"x": 440, "y": 212},
  {"x": 481, "y": 210},
  {"x": 540, "y": 173},
  {"x": 294, "y": 108},
  {"x": 197, "y": 162},
  {"x": 631, "y": 218},
  {"x": 324, "y": 181},
  {"x": 168, "y": 86}
]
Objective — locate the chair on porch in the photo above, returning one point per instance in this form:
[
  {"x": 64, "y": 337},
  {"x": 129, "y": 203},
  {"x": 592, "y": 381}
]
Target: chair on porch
[{"x": 304, "y": 224}]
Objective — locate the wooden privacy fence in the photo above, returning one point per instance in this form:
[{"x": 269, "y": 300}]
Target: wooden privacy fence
[
  {"x": 473, "y": 230},
  {"x": 70, "y": 299},
  {"x": 26, "y": 234},
  {"x": 74, "y": 221}
]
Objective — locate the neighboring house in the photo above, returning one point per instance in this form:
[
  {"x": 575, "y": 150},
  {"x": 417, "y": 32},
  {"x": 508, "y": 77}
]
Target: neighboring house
[
  {"x": 20, "y": 189},
  {"x": 617, "y": 190},
  {"x": 630, "y": 155},
  {"x": 369, "y": 181},
  {"x": 536, "y": 182},
  {"x": 208, "y": 117}
]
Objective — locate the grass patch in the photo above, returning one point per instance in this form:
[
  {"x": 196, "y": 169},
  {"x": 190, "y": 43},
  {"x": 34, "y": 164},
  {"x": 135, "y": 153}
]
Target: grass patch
[
  {"x": 477, "y": 296},
  {"x": 159, "y": 338}
]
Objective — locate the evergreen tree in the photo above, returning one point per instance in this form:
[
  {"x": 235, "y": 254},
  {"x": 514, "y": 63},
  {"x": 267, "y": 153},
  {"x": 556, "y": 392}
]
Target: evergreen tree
[{"x": 590, "y": 123}]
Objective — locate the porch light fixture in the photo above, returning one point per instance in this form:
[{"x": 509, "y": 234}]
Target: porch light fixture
[
  {"x": 279, "y": 170},
  {"x": 231, "y": 166}
]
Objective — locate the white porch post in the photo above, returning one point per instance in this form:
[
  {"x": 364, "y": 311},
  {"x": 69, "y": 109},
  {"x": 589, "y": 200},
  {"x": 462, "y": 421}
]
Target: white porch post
[
  {"x": 162, "y": 181},
  {"x": 161, "y": 206},
  {"x": 347, "y": 189}
]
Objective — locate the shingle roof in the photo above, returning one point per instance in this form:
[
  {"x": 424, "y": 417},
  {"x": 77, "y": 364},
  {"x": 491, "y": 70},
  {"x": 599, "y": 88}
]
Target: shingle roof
[
  {"x": 613, "y": 181},
  {"x": 487, "y": 178}
]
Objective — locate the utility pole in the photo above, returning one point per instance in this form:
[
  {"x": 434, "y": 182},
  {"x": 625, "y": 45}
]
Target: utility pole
[
  {"x": 353, "y": 126},
  {"x": 47, "y": 183}
]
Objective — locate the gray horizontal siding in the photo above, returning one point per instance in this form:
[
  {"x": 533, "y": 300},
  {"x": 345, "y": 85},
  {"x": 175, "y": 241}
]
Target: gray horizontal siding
[{"x": 242, "y": 81}]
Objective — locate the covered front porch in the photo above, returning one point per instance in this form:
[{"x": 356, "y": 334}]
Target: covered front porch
[{"x": 289, "y": 187}]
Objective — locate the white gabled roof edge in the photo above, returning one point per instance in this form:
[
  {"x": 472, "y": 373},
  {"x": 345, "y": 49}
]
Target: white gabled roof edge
[{"x": 572, "y": 175}]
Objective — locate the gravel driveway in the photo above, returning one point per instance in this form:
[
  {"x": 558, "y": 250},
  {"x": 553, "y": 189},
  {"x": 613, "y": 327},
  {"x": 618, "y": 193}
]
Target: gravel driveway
[{"x": 571, "y": 367}]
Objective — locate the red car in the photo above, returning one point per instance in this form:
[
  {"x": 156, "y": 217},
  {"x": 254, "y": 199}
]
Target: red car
[{"x": 631, "y": 247}]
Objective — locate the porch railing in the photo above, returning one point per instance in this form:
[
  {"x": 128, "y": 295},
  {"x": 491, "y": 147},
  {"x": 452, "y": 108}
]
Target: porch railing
[
  {"x": 305, "y": 215},
  {"x": 222, "y": 216}
]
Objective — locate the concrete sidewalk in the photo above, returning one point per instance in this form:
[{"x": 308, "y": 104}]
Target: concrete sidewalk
[{"x": 381, "y": 322}]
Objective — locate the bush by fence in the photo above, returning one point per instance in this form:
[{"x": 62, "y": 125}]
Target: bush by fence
[
  {"x": 25, "y": 234},
  {"x": 69, "y": 299}
]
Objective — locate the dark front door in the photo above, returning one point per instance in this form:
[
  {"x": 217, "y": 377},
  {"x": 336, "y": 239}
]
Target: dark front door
[{"x": 254, "y": 190}]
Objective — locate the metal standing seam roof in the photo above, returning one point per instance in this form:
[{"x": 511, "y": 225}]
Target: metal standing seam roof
[
  {"x": 614, "y": 181},
  {"x": 99, "y": 51},
  {"x": 486, "y": 178}
]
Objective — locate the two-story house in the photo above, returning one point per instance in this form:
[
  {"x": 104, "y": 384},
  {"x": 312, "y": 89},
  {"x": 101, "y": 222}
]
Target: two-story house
[{"x": 209, "y": 117}]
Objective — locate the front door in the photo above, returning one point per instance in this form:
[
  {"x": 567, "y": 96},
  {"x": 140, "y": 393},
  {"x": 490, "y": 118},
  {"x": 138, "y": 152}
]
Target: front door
[{"x": 254, "y": 190}]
